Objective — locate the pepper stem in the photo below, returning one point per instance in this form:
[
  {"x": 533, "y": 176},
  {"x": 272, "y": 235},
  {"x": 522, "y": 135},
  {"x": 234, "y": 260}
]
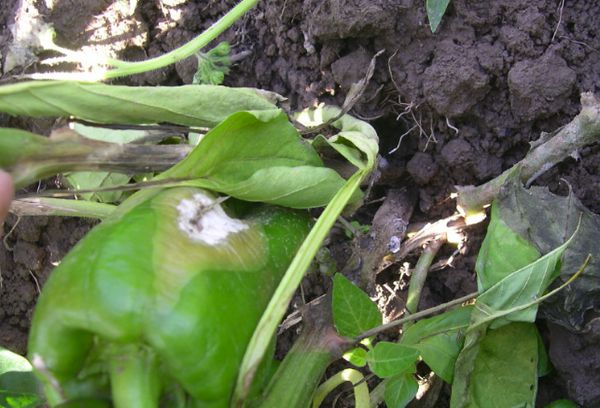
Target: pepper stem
[{"x": 134, "y": 377}]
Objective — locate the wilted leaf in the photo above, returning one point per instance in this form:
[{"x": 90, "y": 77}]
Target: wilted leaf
[
  {"x": 514, "y": 298},
  {"x": 353, "y": 311},
  {"x": 547, "y": 220},
  {"x": 390, "y": 359}
]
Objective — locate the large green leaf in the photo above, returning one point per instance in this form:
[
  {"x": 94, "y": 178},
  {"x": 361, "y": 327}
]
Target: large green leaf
[
  {"x": 505, "y": 369},
  {"x": 18, "y": 386},
  {"x": 259, "y": 157},
  {"x": 546, "y": 220},
  {"x": 190, "y": 105},
  {"x": 502, "y": 252},
  {"x": 439, "y": 339},
  {"x": 400, "y": 390},
  {"x": 353, "y": 311},
  {"x": 513, "y": 299},
  {"x": 390, "y": 359}
]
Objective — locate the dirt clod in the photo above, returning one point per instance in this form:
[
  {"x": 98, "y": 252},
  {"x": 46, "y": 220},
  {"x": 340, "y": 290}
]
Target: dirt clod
[{"x": 540, "y": 87}]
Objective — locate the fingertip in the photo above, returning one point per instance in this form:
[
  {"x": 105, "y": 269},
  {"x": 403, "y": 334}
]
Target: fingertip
[{"x": 6, "y": 194}]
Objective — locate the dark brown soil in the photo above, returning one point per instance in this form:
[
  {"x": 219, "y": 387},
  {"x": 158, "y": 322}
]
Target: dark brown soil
[{"x": 464, "y": 102}]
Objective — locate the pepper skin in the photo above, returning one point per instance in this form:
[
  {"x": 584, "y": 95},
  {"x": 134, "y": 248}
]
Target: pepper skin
[{"x": 161, "y": 300}]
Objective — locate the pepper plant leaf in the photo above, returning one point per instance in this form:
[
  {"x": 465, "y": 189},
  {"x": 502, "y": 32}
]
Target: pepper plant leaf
[
  {"x": 513, "y": 299},
  {"x": 357, "y": 357},
  {"x": 505, "y": 369},
  {"x": 367, "y": 138},
  {"x": 546, "y": 220},
  {"x": 18, "y": 386},
  {"x": 353, "y": 311},
  {"x": 502, "y": 252},
  {"x": 390, "y": 359},
  {"x": 435, "y": 11},
  {"x": 188, "y": 105},
  {"x": 439, "y": 339},
  {"x": 400, "y": 390},
  {"x": 259, "y": 156},
  {"x": 91, "y": 180}
]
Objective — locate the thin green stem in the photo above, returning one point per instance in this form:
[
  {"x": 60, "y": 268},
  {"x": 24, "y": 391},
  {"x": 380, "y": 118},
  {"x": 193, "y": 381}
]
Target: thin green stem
[
  {"x": 416, "y": 316},
  {"x": 419, "y": 275},
  {"x": 124, "y": 68},
  {"x": 361, "y": 390}
]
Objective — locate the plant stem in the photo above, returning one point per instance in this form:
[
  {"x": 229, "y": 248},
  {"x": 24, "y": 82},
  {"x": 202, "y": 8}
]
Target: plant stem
[
  {"x": 361, "y": 390},
  {"x": 60, "y": 207},
  {"x": 419, "y": 275},
  {"x": 299, "y": 374},
  {"x": 124, "y": 68},
  {"x": 378, "y": 394},
  {"x": 416, "y": 316},
  {"x": 275, "y": 311},
  {"x": 296, "y": 379},
  {"x": 31, "y": 157},
  {"x": 584, "y": 129},
  {"x": 135, "y": 378}
]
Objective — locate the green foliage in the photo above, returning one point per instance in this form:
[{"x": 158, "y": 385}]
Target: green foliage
[
  {"x": 357, "y": 227},
  {"x": 213, "y": 65},
  {"x": 435, "y": 11},
  {"x": 512, "y": 299},
  {"x": 357, "y": 357},
  {"x": 190, "y": 105},
  {"x": 390, "y": 359},
  {"x": 400, "y": 390},
  {"x": 353, "y": 311},
  {"x": 563, "y": 403},
  {"x": 505, "y": 369},
  {"x": 502, "y": 252},
  {"x": 439, "y": 339},
  {"x": 547, "y": 220},
  {"x": 259, "y": 157},
  {"x": 18, "y": 386},
  {"x": 91, "y": 180}
]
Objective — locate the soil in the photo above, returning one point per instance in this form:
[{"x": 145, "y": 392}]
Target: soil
[{"x": 452, "y": 108}]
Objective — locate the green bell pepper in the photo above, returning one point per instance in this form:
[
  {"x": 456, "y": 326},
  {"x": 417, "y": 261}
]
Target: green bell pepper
[{"x": 158, "y": 304}]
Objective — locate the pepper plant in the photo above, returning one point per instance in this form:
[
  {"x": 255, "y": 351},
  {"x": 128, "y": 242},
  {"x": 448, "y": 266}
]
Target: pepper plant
[{"x": 174, "y": 299}]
